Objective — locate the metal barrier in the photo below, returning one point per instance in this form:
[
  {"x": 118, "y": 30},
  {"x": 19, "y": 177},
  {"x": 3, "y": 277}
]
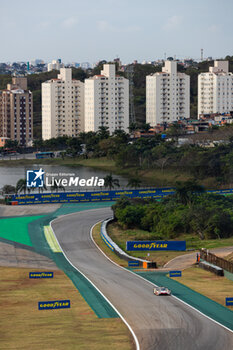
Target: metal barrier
[
  {"x": 117, "y": 250},
  {"x": 215, "y": 260}
]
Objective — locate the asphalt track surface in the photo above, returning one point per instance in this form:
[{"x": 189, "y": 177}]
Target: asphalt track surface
[{"x": 162, "y": 323}]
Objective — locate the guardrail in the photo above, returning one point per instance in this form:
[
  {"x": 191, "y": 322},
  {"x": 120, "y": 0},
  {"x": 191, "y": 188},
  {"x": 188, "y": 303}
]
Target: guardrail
[
  {"x": 117, "y": 250},
  {"x": 215, "y": 260}
]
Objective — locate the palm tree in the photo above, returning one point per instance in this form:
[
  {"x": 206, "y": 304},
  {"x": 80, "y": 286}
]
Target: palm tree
[
  {"x": 41, "y": 189},
  {"x": 134, "y": 182},
  {"x": 21, "y": 186},
  {"x": 103, "y": 132},
  {"x": 185, "y": 191},
  {"x": 56, "y": 187},
  {"x": 110, "y": 182}
]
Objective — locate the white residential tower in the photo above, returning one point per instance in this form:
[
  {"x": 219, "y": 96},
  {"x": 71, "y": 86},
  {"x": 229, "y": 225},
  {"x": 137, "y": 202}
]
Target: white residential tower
[
  {"x": 215, "y": 90},
  {"x": 62, "y": 106},
  {"x": 167, "y": 95},
  {"x": 107, "y": 101}
]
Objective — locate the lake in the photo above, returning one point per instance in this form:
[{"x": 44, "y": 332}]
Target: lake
[{"x": 10, "y": 175}]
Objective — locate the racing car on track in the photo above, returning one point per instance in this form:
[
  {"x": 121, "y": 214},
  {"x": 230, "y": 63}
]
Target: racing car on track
[{"x": 162, "y": 291}]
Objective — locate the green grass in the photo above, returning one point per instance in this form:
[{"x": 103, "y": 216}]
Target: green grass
[
  {"x": 23, "y": 326},
  {"x": 16, "y": 229},
  {"x": 207, "y": 283},
  {"x": 120, "y": 236}
]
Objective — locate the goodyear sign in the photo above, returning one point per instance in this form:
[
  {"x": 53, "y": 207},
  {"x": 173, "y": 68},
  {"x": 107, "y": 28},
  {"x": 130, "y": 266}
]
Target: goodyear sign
[
  {"x": 40, "y": 274},
  {"x": 229, "y": 301},
  {"x": 95, "y": 196},
  {"x": 155, "y": 245},
  {"x": 175, "y": 273},
  {"x": 52, "y": 305},
  {"x": 133, "y": 263}
]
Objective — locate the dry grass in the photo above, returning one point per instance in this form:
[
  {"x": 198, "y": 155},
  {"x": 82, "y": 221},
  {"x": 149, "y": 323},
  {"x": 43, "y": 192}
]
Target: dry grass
[
  {"x": 120, "y": 236},
  {"x": 204, "y": 282},
  {"x": 97, "y": 238},
  {"x": 23, "y": 326},
  {"x": 229, "y": 257}
]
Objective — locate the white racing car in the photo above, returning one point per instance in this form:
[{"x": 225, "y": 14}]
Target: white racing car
[{"x": 162, "y": 291}]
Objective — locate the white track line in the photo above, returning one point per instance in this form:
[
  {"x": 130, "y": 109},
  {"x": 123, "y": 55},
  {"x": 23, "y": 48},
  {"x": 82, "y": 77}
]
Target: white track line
[
  {"x": 124, "y": 320},
  {"x": 153, "y": 284}
]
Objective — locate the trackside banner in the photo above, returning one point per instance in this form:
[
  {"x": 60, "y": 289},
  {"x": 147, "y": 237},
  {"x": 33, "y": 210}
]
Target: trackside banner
[
  {"x": 155, "y": 245},
  {"x": 175, "y": 273},
  {"x": 95, "y": 196},
  {"x": 40, "y": 274},
  {"x": 57, "y": 304},
  {"x": 229, "y": 301}
]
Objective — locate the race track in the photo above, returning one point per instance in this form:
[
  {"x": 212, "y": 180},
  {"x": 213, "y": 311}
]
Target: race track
[{"x": 162, "y": 323}]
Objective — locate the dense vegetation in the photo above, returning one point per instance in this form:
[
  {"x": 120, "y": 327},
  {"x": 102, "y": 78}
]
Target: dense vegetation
[
  {"x": 209, "y": 216},
  {"x": 152, "y": 154},
  {"x": 140, "y": 73}
]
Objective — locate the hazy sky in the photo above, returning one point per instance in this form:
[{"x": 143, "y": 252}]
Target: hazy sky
[{"x": 102, "y": 29}]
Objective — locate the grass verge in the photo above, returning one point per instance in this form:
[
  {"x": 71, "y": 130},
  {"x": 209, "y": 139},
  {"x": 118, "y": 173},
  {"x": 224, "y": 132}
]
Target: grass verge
[
  {"x": 23, "y": 326},
  {"x": 120, "y": 236},
  {"x": 160, "y": 257},
  {"x": 204, "y": 282},
  {"x": 229, "y": 257}
]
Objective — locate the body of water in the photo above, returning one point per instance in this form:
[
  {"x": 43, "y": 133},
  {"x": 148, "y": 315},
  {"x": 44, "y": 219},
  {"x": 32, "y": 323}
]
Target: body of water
[{"x": 10, "y": 175}]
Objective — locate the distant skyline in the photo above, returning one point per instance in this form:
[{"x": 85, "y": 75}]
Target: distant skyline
[{"x": 80, "y": 31}]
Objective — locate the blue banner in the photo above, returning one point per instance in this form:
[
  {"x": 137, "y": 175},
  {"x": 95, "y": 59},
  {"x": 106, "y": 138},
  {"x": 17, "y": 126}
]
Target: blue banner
[
  {"x": 81, "y": 197},
  {"x": 133, "y": 263},
  {"x": 57, "y": 304},
  {"x": 155, "y": 245},
  {"x": 229, "y": 301},
  {"x": 40, "y": 274},
  {"x": 97, "y": 196},
  {"x": 175, "y": 273}
]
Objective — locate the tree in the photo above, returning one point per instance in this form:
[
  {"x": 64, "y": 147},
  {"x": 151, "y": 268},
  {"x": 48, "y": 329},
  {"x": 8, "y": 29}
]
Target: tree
[
  {"x": 145, "y": 127},
  {"x": 110, "y": 182},
  {"x": 74, "y": 146},
  {"x": 132, "y": 127},
  {"x": 8, "y": 189},
  {"x": 185, "y": 191},
  {"x": 57, "y": 187},
  {"x": 134, "y": 182},
  {"x": 13, "y": 144},
  {"x": 175, "y": 130},
  {"x": 21, "y": 186},
  {"x": 41, "y": 189},
  {"x": 103, "y": 132}
]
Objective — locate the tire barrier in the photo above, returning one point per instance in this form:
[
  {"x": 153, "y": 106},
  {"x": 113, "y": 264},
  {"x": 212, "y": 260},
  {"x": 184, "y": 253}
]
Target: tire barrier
[
  {"x": 212, "y": 268},
  {"x": 118, "y": 251}
]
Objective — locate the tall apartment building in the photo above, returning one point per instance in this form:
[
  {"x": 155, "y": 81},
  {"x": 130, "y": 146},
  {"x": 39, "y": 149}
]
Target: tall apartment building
[
  {"x": 55, "y": 65},
  {"x": 215, "y": 89},
  {"x": 62, "y": 106},
  {"x": 167, "y": 95},
  {"x": 16, "y": 111},
  {"x": 107, "y": 101}
]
